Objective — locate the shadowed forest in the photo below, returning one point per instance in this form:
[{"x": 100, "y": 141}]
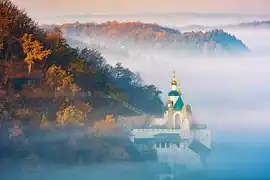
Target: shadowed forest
[{"x": 54, "y": 104}]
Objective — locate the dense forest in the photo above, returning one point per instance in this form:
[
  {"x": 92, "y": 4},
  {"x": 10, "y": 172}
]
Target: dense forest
[
  {"x": 154, "y": 36},
  {"x": 54, "y": 99}
]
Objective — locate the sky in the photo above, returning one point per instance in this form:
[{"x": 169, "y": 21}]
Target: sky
[{"x": 65, "y": 7}]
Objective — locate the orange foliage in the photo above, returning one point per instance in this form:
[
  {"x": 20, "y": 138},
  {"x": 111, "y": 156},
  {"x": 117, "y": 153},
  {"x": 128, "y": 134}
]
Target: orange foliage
[
  {"x": 53, "y": 36},
  {"x": 72, "y": 115},
  {"x": 56, "y": 77},
  {"x": 160, "y": 34},
  {"x": 109, "y": 118},
  {"x": 33, "y": 50},
  {"x": 106, "y": 127}
]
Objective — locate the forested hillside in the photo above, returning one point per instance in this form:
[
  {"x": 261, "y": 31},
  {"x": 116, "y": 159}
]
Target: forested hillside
[
  {"x": 54, "y": 98},
  {"x": 153, "y": 36}
]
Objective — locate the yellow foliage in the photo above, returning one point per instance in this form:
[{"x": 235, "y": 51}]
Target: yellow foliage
[
  {"x": 33, "y": 50},
  {"x": 71, "y": 115},
  {"x": 109, "y": 118},
  {"x": 59, "y": 78}
]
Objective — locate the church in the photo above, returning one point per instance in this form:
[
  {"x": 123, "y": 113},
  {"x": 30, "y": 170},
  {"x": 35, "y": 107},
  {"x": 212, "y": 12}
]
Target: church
[
  {"x": 176, "y": 138},
  {"x": 177, "y": 114}
]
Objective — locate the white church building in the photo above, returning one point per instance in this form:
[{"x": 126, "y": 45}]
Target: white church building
[{"x": 176, "y": 138}]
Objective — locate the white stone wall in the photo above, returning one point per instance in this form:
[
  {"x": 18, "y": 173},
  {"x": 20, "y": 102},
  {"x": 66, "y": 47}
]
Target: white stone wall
[
  {"x": 159, "y": 121},
  {"x": 179, "y": 155},
  {"x": 202, "y": 135}
]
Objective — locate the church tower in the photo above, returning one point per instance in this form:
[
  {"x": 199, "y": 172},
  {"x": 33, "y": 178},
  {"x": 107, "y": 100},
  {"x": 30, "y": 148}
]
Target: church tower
[{"x": 175, "y": 107}]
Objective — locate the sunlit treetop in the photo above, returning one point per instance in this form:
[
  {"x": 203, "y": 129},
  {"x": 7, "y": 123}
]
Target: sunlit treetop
[{"x": 33, "y": 50}]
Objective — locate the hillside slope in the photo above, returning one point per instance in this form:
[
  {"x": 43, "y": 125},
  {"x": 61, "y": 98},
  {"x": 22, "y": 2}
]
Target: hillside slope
[
  {"x": 138, "y": 34},
  {"x": 53, "y": 97}
]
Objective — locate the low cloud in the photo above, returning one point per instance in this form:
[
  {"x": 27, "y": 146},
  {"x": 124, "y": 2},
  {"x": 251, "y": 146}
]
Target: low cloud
[{"x": 225, "y": 92}]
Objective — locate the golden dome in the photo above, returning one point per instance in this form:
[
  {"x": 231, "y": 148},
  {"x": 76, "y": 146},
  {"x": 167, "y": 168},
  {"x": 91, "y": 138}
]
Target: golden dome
[{"x": 174, "y": 82}]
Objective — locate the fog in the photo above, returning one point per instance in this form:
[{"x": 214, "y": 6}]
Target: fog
[
  {"x": 225, "y": 92},
  {"x": 229, "y": 94},
  {"x": 114, "y": 171}
]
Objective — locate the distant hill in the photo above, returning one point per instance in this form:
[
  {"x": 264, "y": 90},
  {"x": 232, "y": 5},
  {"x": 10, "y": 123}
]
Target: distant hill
[
  {"x": 245, "y": 25},
  {"x": 115, "y": 28},
  {"x": 254, "y": 24},
  {"x": 195, "y": 27},
  {"x": 154, "y": 36}
]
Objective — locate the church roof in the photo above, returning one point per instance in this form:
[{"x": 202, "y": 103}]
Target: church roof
[
  {"x": 173, "y": 93},
  {"x": 179, "y": 104},
  {"x": 168, "y": 136},
  {"x": 199, "y": 148},
  {"x": 161, "y": 137}
]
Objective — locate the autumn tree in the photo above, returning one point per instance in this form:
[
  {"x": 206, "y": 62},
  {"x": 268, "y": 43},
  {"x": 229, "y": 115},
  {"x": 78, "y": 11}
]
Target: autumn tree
[
  {"x": 58, "y": 78},
  {"x": 14, "y": 23},
  {"x": 4, "y": 24},
  {"x": 33, "y": 50},
  {"x": 71, "y": 115}
]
